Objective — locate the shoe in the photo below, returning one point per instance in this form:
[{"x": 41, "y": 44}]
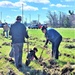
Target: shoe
[
  {"x": 19, "y": 66},
  {"x": 11, "y": 60}
]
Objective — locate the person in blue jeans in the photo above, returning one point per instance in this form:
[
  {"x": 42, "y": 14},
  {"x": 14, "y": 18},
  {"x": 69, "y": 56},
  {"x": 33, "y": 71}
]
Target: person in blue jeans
[
  {"x": 31, "y": 55},
  {"x": 5, "y": 30},
  {"x": 55, "y": 38}
]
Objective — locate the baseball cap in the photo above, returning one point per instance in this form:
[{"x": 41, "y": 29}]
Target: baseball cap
[{"x": 18, "y": 18}]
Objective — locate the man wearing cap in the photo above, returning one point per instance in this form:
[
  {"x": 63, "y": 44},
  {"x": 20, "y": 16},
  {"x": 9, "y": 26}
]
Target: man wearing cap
[
  {"x": 18, "y": 33},
  {"x": 55, "y": 38}
]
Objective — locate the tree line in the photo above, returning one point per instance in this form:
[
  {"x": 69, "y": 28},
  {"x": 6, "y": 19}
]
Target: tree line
[{"x": 61, "y": 19}]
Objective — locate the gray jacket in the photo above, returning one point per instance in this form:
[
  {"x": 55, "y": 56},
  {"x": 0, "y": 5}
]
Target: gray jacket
[{"x": 18, "y": 32}]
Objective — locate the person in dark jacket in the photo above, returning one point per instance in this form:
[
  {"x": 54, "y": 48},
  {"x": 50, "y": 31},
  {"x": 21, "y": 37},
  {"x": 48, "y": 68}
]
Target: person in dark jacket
[
  {"x": 31, "y": 55},
  {"x": 18, "y": 33},
  {"x": 55, "y": 38}
]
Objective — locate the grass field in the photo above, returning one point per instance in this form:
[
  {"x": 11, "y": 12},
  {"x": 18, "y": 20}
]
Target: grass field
[{"x": 37, "y": 39}]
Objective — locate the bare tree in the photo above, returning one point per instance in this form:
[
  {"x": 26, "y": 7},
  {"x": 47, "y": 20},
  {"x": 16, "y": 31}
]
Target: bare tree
[
  {"x": 59, "y": 20},
  {"x": 53, "y": 19}
]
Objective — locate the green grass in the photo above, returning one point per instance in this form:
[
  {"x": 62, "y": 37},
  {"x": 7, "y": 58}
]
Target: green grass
[
  {"x": 67, "y": 32},
  {"x": 36, "y": 39}
]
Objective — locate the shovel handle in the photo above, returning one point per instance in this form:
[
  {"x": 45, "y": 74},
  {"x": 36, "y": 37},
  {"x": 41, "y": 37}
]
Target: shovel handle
[{"x": 27, "y": 45}]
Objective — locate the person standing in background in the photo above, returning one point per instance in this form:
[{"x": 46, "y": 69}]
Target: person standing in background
[{"x": 5, "y": 30}]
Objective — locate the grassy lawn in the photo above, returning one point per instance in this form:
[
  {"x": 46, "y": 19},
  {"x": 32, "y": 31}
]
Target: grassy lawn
[{"x": 37, "y": 39}]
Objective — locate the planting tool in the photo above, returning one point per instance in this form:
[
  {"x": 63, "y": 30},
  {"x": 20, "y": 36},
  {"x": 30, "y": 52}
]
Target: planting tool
[
  {"x": 27, "y": 45},
  {"x": 40, "y": 58}
]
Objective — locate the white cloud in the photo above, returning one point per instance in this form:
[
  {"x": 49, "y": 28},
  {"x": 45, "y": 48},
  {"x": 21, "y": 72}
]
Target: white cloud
[
  {"x": 38, "y": 1},
  {"x": 8, "y": 16},
  {"x": 59, "y": 5},
  {"x": 6, "y": 4},
  {"x": 45, "y": 8},
  {"x": 14, "y": 10},
  {"x": 10, "y": 4},
  {"x": 17, "y": 5},
  {"x": 30, "y": 8}
]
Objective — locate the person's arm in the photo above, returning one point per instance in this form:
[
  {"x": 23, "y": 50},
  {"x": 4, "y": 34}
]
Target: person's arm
[
  {"x": 26, "y": 33},
  {"x": 46, "y": 42},
  {"x": 35, "y": 56},
  {"x": 46, "y": 36}
]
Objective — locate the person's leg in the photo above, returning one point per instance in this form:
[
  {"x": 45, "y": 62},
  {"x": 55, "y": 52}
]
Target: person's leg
[
  {"x": 3, "y": 32},
  {"x": 20, "y": 53},
  {"x": 6, "y": 34},
  {"x": 11, "y": 54},
  {"x": 27, "y": 62},
  {"x": 55, "y": 48},
  {"x": 16, "y": 54}
]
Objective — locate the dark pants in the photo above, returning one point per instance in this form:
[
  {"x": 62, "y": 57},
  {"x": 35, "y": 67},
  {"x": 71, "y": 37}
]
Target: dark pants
[
  {"x": 27, "y": 62},
  {"x": 55, "y": 47},
  {"x": 5, "y": 33}
]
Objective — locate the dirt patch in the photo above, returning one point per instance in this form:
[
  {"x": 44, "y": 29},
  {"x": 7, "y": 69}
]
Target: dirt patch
[
  {"x": 11, "y": 72},
  {"x": 43, "y": 41},
  {"x": 54, "y": 69},
  {"x": 67, "y": 40},
  {"x": 0, "y": 46},
  {"x": 67, "y": 69},
  {"x": 69, "y": 46},
  {"x": 7, "y": 59},
  {"x": 52, "y": 62},
  {"x": 73, "y": 40},
  {"x": 6, "y": 44}
]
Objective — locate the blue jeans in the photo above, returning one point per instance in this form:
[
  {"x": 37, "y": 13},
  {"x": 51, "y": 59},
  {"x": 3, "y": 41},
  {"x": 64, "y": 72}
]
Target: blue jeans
[
  {"x": 55, "y": 47},
  {"x": 5, "y": 33},
  {"x": 16, "y": 52}
]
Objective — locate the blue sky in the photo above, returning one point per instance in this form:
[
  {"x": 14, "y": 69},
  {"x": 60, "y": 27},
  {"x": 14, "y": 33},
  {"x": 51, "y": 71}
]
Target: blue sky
[{"x": 11, "y": 8}]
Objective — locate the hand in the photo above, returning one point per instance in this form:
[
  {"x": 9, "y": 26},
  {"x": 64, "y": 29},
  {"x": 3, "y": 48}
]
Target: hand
[
  {"x": 40, "y": 59},
  {"x": 45, "y": 46}
]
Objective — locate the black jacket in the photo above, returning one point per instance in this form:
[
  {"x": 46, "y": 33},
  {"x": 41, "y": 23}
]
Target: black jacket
[{"x": 32, "y": 54}]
